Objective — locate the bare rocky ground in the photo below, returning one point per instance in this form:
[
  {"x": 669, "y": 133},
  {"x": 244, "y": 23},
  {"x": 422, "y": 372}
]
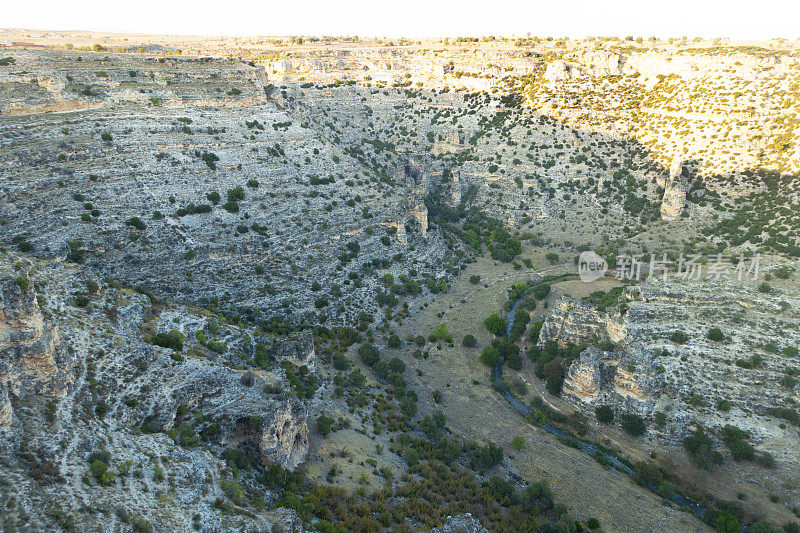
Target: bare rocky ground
[{"x": 275, "y": 209}]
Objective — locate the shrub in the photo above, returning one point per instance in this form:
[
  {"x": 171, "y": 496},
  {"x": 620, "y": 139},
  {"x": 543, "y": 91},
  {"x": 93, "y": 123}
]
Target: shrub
[
  {"x": 605, "y": 414},
  {"x": 766, "y": 460},
  {"x": 518, "y": 443},
  {"x": 210, "y": 159},
  {"x": 554, "y": 383},
  {"x": 715, "y": 334},
  {"x": 106, "y": 137},
  {"x": 495, "y": 324},
  {"x": 324, "y": 424},
  {"x": 666, "y": 490},
  {"x": 369, "y": 354},
  {"x": 474, "y": 279},
  {"x": 514, "y": 361},
  {"x": 340, "y": 362},
  {"x": 216, "y": 346},
  {"x": 700, "y": 448},
  {"x": 101, "y": 473},
  {"x": 632, "y": 424},
  {"x": 437, "y": 396},
  {"x": 469, "y": 341},
  {"x": 734, "y": 439},
  {"x": 24, "y": 285},
  {"x": 679, "y": 337},
  {"x": 440, "y": 333},
  {"x": 490, "y": 356},
  {"x": 724, "y": 405},
  {"x": 394, "y": 342},
  {"x": 174, "y": 339},
  {"x": 726, "y": 522},
  {"x": 136, "y": 222},
  {"x": 541, "y": 291}
]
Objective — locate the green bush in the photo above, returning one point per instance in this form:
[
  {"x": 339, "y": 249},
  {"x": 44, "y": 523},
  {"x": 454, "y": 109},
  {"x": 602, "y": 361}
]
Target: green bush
[
  {"x": 700, "y": 448},
  {"x": 216, "y": 346},
  {"x": 369, "y": 354},
  {"x": 490, "y": 356},
  {"x": 324, "y": 424},
  {"x": 136, "y": 222},
  {"x": 715, "y": 334},
  {"x": 734, "y": 439},
  {"x": 394, "y": 341},
  {"x": 605, "y": 414},
  {"x": 679, "y": 337},
  {"x": 632, "y": 424},
  {"x": 101, "y": 473},
  {"x": 496, "y": 324},
  {"x": 340, "y": 362},
  {"x": 666, "y": 490},
  {"x": 553, "y": 384},
  {"x": 174, "y": 339},
  {"x": 469, "y": 341}
]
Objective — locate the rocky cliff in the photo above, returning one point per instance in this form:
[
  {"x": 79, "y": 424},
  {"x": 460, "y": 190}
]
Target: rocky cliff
[
  {"x": 82, "y": 382},
  {"x": 574, "y": 321},
  {"x": 33, "y": 358}
]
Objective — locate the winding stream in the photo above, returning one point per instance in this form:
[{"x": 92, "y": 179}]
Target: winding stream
[{"x": 588, "y": 447}]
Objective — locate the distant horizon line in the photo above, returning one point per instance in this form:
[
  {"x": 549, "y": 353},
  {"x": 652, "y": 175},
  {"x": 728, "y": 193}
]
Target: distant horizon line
[{"x": 410, "y": 37}]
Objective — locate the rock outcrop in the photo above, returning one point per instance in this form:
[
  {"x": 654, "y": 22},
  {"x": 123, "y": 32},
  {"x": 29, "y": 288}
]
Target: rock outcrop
[
  {"x": 33, "y": 358},
  {"x": 675, "y": 187},
  {"x": 283, "y": 437},
  {"x": 465, "y": 523},
  {"x": 298, "y": 349},
  {"x": 598, "y": 377},
  {"x": 573, "y": 321},
  {"x": 236, "y": 404}
]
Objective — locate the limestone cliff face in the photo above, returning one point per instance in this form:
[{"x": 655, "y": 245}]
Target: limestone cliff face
[
  {"x": 283, "y": 437},
  {"x": 573, "y": 321},
  {"x": 602, "y": 378},
  {"x": 297, "y": 349},
  {"x": 674, "y": 200},
  {"x": 413, "y": 175},
  {"x": 33, "y": 358},
  {"x": 234, "y": 401}
]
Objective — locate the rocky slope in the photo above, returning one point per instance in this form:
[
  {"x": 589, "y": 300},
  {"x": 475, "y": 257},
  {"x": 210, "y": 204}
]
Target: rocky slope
[
  {"x": 662, "y": 360},
  {"x": 81, "y": 385}
]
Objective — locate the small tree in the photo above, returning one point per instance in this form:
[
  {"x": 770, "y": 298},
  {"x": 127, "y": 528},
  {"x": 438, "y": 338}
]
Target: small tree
[
  {"x": 518, "y": 443},
  {"x": 490, "y": 356},
  {"x": 369, "y": 354},
  {"x": 469, "y": 341},
  {"x": 679, "y": 337},
  {"x": 716, "y": 335},
  {"x": 495, "y": 324},
  {"x": 324, "y": 424},
  {"x": 632, "y": 424},
  {"x": 604, "y": 414}
]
